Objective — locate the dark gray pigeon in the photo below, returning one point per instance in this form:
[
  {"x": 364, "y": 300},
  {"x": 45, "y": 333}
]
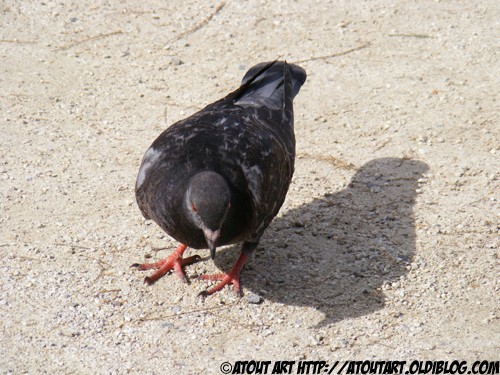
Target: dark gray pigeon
[{"x": 220, "y": 176}]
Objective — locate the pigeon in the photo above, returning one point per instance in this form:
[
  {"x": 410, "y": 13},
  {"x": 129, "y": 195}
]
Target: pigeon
[{"x": 220, "y": 176}]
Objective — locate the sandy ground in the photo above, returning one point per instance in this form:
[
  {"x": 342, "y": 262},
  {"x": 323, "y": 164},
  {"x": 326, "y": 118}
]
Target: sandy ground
[{"x": 386, "y": 248}]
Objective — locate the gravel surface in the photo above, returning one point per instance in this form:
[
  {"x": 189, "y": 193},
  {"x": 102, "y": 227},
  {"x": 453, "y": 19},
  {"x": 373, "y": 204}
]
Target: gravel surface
[{"x": 387, "y": 245}]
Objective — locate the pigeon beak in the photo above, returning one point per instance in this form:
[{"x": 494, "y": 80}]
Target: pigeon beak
[{"x": 211, "y": 237}]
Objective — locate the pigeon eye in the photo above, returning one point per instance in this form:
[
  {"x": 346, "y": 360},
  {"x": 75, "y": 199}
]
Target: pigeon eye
[{"x": 194, "y": 207}]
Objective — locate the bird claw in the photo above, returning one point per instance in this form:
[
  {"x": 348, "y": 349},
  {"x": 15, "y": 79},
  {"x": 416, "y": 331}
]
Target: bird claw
[
  {"x": 224, "y": 279},
  {"x": 173, "y": 262},
  {"x": 203, "y": 295},
  {"x": 232, "y": 277},
  {"x": 151, "y": 280}
]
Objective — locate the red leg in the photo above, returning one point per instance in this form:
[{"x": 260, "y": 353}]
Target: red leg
[
  {"x": 233, "y": 277},
  {"x": 173, "y": 261}
]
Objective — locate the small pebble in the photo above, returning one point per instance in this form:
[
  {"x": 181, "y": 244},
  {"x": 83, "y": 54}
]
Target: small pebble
[
  {"x": 175, "y": 61},
  {"x": 254, "y": 298}
]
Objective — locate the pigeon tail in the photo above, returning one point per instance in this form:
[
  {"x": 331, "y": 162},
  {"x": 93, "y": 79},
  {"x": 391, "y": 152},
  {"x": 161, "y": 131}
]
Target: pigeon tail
[{"x": 265, "y": 83}]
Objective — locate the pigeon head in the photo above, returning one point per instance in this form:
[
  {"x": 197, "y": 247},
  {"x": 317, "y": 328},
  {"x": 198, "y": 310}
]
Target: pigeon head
[{"x": 208, "y": 199}]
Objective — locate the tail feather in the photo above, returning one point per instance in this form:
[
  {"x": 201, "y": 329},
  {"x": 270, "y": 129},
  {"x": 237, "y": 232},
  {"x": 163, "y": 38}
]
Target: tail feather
[
  {"x": 264, "y": 82},
  {"x": 269, "y": 74}
]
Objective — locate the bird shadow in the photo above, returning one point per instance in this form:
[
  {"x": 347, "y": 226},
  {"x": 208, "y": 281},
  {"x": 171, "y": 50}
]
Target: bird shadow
[{"x": 335, "y": 252}]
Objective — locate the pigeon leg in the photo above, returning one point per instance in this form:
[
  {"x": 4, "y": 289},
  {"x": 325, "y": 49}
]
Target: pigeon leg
[
  {"x": 233, "y": 277},
  {"x": 173, "y": 261}
]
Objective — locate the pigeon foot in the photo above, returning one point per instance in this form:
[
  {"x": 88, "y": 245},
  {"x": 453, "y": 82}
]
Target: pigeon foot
[
  {"x": 174, "y": 261},
  {"x": 232, "y": 277}
]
